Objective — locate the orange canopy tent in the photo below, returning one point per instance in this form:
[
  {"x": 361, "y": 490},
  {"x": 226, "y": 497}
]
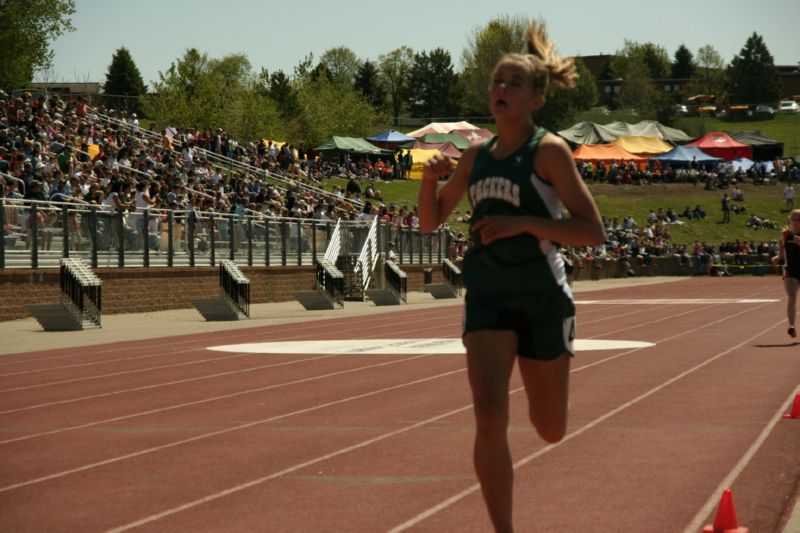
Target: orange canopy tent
[{"x": 604, "y": 152}]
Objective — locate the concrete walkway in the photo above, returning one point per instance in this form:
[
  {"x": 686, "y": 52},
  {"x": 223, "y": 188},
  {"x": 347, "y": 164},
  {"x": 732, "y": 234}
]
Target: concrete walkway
[{"x": 26, "y": 334}]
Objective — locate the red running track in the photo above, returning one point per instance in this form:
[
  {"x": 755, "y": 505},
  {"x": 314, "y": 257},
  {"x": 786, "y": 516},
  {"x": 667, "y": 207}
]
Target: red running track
[{"x": 165, "y": 435}]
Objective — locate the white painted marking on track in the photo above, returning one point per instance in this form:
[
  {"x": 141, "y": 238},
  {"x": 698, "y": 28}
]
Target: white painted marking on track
[
  {"x": 397, "y": 346},
  {"x": 680, "y": 301}
]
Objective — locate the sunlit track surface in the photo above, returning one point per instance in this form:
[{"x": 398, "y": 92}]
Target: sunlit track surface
[{"x": 365, "y": 424}]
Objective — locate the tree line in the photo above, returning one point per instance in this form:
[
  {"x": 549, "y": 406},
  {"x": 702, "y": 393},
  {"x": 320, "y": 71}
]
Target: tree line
[{"x": 343, "y": 94}]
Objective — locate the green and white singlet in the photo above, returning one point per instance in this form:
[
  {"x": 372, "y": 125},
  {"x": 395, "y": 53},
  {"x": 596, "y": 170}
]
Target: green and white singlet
[{"x": 522, "y": 264}]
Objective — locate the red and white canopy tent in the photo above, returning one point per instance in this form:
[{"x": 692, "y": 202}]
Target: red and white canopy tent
[{"x": 722, "y": 145}]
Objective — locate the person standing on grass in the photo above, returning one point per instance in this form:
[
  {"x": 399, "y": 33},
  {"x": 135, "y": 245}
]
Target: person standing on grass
[
  {"x": 518, "y": 306},
  {"x": 789, "y": 257},
  {"x": 788, "y": 196},
  {"x": 726, "y": 208}
]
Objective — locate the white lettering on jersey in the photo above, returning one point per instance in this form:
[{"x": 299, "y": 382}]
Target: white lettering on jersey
[{"x": 495, "y": 188}]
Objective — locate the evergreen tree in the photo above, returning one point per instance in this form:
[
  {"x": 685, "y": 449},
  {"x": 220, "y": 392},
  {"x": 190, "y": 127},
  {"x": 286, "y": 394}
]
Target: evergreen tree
[
  {"x": 279, "y": 89},
  {"x": 27, "y": 28},
  {"x": 368, "y": 84},
  {"x": 683, "y": 65},
  {"x": 752, "y": 75},
  {"x": 435, "y": 85},
  {"x": 123, "y": 79}
]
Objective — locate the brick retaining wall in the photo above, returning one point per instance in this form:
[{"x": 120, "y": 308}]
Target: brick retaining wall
[{"x": 138, "y": 290}]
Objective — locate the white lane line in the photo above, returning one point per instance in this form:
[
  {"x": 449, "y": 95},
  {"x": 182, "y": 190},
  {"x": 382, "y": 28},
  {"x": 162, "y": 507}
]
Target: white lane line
[
  {"x": 307, "y": 326},
  {"x": 228, "y": 430},
  {"x": 359, "y": 328},
  {"x": 123, "y": 373},
  {"x": 679, "y": 301},
  {"x": 461, "y": 495},
  {"x": 212, "y": 398},
  {"x": 476, "y": 487},
  {"x": 697, "y": 524},
  {"x": 149, "y": 387}
]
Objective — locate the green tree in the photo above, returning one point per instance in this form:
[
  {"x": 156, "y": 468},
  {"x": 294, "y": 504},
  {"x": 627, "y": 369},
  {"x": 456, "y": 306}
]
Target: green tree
[
  {"x": 395, "y": 70},
  {"x": 637, "y": 90},
  {"x": 634, "y": 55},
  {"x": 212, "y": 93},
  {"x": 279, "y": 88},
  {"x": 683, "y": 64},
  {"x": 342, "y": 64},
  {"x": 26, "y": 30},
  {"x": 484, "y": 49},
  {"x": 327, "y": 109},
  {"x": 709, "y": 75},
  {"x": 368, "y": 83},
  {"x": 435, "y": 85},
  {"x": 752, "y": 75},
  {"x": 123, "y": 79},
  {"x": 562, "y": 107}
]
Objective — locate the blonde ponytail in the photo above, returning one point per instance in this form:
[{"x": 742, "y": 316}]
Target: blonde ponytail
[{"x": 550, "y": 70}]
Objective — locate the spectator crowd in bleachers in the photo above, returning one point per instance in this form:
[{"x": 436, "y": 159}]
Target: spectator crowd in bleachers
[{"x": 59, "y": 151}]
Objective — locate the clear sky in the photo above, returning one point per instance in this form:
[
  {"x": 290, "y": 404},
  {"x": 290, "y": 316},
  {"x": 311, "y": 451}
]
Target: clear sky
[{"x": 279, "y": 34}]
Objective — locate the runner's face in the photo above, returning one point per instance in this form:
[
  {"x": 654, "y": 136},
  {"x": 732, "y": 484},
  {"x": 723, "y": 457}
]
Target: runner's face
[{"x": 511, "y": 90}]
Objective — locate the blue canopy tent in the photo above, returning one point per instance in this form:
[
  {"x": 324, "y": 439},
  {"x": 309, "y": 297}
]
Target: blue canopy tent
[
  {"x": 742, "y": 164},
  {"x": 390, "y": 139},
  {"x": 682, "y": 156}
]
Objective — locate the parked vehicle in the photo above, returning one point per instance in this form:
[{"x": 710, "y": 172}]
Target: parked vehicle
[
  {"x": 738, "y": 111},
  {"x": 764, "y": 111},
  {"x": 681, "y": 110},
  {"x": 788, "y": 106}
]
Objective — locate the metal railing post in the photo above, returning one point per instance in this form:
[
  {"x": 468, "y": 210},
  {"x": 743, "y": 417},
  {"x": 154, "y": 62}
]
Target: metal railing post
[
  {"x": 117, "y": 219},
  {"x": 170, "y": 230},
  {"x": 146, "y": 237},
  {"x": 213, "y": 225},
  {"x": 93, "y": 234},
  {"x": 3, "y": 240},
  {"x": 33, "y": 235},
  {"x": 231, "y": 237},
  {"x": 64, "y": 231},
  {"x": 249, "y": 241}
]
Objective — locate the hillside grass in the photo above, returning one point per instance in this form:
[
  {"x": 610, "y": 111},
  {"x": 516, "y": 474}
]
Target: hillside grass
[{"x": 637, "y": 200}]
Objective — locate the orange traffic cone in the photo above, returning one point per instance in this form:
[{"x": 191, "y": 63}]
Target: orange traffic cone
[
  {"x": 795, "y": 408},
  {"x": 725, "y": 521}
]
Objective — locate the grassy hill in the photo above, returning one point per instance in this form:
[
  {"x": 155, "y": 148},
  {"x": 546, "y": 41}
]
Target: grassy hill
[{"x": 621, "y": 200}]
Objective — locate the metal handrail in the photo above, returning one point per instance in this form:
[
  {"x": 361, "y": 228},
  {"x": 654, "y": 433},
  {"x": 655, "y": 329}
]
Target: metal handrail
[
  {"x": 368, "y": 256},
  {"x": 335, "y": 243}
]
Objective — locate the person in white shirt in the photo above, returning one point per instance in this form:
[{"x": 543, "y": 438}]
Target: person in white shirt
[
  {"x": 788, "y": 196},
  {"x": 143, "y": 202}
]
